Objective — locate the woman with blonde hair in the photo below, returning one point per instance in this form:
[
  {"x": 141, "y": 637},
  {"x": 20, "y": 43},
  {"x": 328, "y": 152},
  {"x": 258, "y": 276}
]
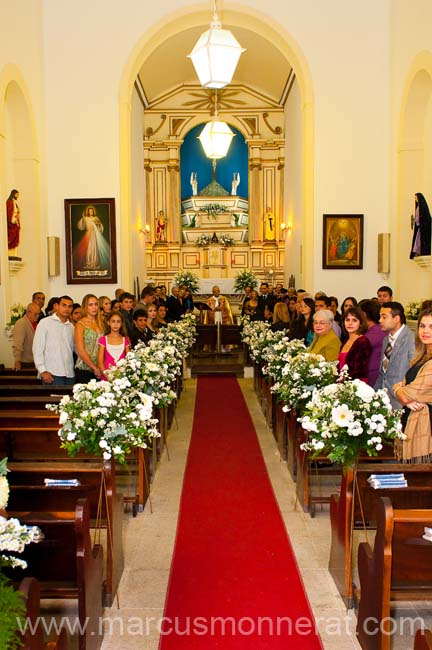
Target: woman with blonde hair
[
  {"x": 281, "y": 318},
  {"x": 105, "y": 308},
  {"x": 415, "y": 396},
  {"x": 87, "y": 332}
]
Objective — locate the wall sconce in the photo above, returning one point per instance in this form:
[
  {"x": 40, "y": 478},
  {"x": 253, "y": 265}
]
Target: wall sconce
[
  {"x": 286, "y": 227},
  {"x": 145, "y": 230}
]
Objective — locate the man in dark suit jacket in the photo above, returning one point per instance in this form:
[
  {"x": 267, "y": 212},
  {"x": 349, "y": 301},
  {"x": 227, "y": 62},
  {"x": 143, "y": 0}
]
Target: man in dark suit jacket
[
  {"x": 265, "y": 298},
  {"x": 39, "y": 299},
  {"x": 397, "y": 350},
  {"x": 175, "y": 305}
]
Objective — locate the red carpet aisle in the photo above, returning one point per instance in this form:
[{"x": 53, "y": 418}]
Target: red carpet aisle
[{"x": 234, "y": 581}]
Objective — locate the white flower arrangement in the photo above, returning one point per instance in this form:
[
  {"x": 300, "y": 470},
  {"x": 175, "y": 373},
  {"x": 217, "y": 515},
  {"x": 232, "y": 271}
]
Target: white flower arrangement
[
  {"x": 413, "y": 309},
  {"x": 106, "y": 418},
  {"x": 187, "y": 278},
  {"x": 203, "y": 240},
  {"x": 303, "y": 374},
  {"x": 15, "y": 313},
  {"x": 13, "y": 535},
  {"x": 346, "y": 418},
  {"x": 280, "y": 357},
  {"x": 111, "y": 417},
  {"x": 4, "y": 484},
  {"x": 245, "y": 279},
  {"x": 226, "y": 240}
]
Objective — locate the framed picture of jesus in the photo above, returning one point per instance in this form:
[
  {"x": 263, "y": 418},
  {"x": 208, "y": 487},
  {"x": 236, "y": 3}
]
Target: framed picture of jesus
[
  {"x": 342, "y": 241},
  {"x": 90, "y": 241}
]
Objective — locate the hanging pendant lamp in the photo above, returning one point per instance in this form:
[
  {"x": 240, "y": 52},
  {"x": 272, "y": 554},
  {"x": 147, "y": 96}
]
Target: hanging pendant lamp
[
  {"x": 216, "y": 54},
  {"x": 216, "y": 137}
]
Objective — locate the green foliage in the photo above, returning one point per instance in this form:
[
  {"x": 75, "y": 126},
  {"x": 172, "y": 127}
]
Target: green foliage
[
  {"x": 12, "y": 611},
  {"x": 245, "y": 279}
]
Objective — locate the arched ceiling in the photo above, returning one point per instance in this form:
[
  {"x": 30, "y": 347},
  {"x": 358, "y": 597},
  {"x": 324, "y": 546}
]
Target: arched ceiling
[{"x": 262, "y": 67}]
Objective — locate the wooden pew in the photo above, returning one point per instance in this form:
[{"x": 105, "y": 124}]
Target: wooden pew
[
  {"x": 67, "y": 566},
  {"x": 399, "y": 567},
  {"x": 417, "y": 494},
  {"x": 29, "y": 403},
  {"x": 18, "y": 379},
  {"x": 321, "y": 466},
  {"x": 423, "y": 640},
  {"x": 33, "y": 638},
  {"x": 26, "y": 481},
  {"x": 25, "y": 390},
  {"x": 280, "y": 425}
]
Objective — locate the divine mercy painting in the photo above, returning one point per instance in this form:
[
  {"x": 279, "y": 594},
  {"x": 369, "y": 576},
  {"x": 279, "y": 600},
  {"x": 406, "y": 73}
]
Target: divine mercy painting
[{"x": 90, "y": 241}]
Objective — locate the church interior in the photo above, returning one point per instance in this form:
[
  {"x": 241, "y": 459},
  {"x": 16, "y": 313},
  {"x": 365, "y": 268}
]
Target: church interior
[{"x": 330, "y": 113}]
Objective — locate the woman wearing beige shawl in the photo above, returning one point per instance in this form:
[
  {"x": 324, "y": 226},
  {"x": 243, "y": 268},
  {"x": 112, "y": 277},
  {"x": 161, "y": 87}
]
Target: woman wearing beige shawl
[{"x": 415, "y": 395}]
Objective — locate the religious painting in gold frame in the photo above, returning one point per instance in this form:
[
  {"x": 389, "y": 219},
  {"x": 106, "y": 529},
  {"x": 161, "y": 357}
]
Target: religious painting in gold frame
[
  {"x": 342, "y": 241},
  {"x": 90, "y": 241}
]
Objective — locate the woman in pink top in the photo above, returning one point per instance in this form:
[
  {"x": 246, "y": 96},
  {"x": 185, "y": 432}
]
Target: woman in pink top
[{"x": 114, "y": 345}]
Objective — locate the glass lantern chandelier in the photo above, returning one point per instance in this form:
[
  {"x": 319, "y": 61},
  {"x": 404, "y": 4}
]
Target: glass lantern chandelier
[
  {"x": 216, "y": 136},
  {"x": 216, "y": 54}
]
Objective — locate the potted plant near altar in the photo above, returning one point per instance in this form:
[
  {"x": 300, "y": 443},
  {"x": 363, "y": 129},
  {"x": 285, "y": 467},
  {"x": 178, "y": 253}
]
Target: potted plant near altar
[
  {"x": 106, "y": 418},
  {"x": 203, "y": 240},
  {"x": 15, "y": 313},
  {"x": 303, "y": 374},
  {"x": 226, "y": 240},
  {"x": 13, "y": 538},
  {"x": 245, "y": 279},
  {"x": 344, "y": 419},
  {"x": 412, "y": 312},
  {"x": 189, "y": 279}
]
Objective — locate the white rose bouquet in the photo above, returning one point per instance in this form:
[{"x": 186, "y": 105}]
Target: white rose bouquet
[
  {"x": 346, "y": 418},
  {"x": 303, "y": 374},
  {"x": 280, "y": 358},
  {"x": 106, "y": 418}
]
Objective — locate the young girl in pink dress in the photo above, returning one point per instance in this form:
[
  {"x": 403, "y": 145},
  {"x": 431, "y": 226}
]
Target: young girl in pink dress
[{"x": 114, "y": 345}]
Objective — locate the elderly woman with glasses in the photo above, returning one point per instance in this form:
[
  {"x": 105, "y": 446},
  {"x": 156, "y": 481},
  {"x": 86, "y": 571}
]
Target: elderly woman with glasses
[{"x": 325, "y": 341}]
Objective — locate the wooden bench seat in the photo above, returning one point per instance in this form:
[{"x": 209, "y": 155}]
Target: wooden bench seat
[
  {"x": 67, "y": 566},
  {"x": 24, "y": 390},
  {"x": 26, "y": 480},
  {"x": 399, "y": 567},
  {"x": 33, "y": 638},
  {"x": 417, "y": 494},
  {"x": 29, "y": 403}
]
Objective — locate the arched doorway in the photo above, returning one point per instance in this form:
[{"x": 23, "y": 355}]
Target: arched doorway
[
  {"x": 414, "y": 175},
  {"x": 284, "y": 192}
]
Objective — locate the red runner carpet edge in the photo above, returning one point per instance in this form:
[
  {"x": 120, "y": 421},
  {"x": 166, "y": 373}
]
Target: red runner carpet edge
[{"x": 234, "y": 581}]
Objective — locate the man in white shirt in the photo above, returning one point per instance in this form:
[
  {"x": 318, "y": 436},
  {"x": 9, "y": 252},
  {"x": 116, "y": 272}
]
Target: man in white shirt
[
  {"x": 397, "y": 350},
  {"x": 53, "y": 346}
]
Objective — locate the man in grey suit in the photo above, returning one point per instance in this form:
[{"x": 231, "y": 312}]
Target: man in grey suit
[{"x": 397, "y": 350}]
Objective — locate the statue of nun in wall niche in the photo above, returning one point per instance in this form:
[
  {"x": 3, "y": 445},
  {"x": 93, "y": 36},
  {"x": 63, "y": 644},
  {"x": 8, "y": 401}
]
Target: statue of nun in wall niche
[{"x": 421, "y": 241}]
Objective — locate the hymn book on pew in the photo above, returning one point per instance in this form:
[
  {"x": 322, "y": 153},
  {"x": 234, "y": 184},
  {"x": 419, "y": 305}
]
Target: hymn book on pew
[
  {"x": 383, "y": 481},
  {"x": 427, "y": 533},
  {"x": 65, "y": 482}
]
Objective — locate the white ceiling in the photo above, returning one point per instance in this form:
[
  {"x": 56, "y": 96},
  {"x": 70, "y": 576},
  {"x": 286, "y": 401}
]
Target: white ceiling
[{"x": 261, "y": 67}]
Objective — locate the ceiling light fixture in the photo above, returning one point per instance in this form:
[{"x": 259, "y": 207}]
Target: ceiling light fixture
[
  {"x": 216, "y": 136},
  {"x": 216, "y": 54}
]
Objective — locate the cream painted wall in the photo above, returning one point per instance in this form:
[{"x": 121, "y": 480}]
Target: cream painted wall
[
  {"x": 21, "y": 152},
  {"x": 348, "y": 59},
  {"x": 137, "y": 217},
  {"x": 293, "y": 213}
]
